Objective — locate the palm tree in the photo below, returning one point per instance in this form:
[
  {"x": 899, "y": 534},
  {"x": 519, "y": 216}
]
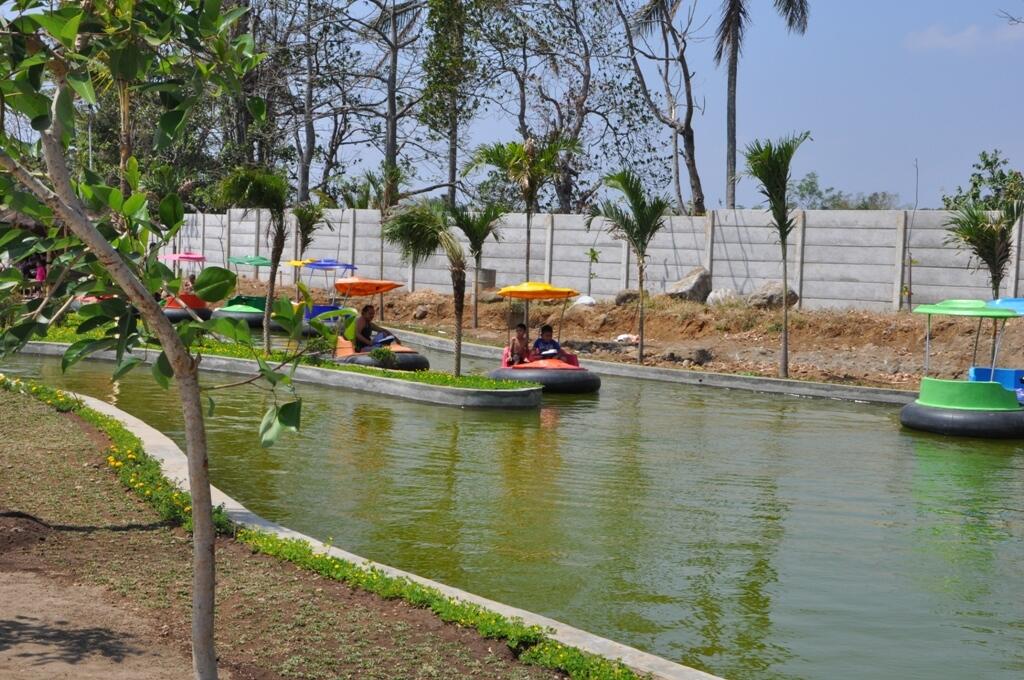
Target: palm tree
[
  {"x": 422, "y": 228},
  {"x": 527, "y": 164},
  {"x": 637, "y": 224},
  {"x": 988, "y": 237},
  {"x": 478, "y": 227},
  {"x": 768, "y": 162},
  {"x": 729, "y": 43},
  {"x": 261, "y": 189}
]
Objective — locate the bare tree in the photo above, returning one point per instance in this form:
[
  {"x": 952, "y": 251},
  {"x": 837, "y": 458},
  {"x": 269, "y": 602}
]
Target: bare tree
[{"x": 659, "y": 32}]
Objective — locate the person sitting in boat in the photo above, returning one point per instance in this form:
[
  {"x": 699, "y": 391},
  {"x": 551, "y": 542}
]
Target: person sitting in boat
[
  {"x": 546, "y": 347},
  {"x": 519, "y": 348},
  {"x": 365, "y": 328},
  {"x": 189, "y": 284}
]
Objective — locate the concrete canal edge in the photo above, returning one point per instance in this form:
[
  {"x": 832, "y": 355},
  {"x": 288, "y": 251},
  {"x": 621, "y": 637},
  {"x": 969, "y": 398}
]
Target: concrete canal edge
[
  {"x": 527, "y": 397},
  {"x": 801, "y": 388},
  {"x": 175, "y": 467}
]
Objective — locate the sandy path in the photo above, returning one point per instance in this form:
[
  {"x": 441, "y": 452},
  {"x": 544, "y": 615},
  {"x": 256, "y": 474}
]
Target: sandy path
[{"x": 51, "y": 631}]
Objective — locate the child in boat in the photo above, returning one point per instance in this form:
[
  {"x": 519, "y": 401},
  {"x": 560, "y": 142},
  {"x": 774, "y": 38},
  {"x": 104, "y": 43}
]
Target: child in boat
[
  {"x": 547, "y": 343},
  {"x": 519, "y": 348},
  {"x": 365, "y": 328}
]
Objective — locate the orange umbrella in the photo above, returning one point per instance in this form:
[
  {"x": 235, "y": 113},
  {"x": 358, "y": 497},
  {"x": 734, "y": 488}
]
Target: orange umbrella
[{"x": 354, "y": 286}]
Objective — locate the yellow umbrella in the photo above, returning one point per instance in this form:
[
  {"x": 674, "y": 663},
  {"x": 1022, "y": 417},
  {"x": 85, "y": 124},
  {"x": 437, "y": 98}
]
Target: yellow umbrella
[{"x": 535, "y": 290}]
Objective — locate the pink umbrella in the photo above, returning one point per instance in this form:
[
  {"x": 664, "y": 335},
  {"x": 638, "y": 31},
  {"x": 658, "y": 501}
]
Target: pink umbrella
[{"x": 185, "y": 257}]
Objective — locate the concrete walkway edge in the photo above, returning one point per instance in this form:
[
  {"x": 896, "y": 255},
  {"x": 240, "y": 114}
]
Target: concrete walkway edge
[
  {"x": 175, "y": 467},
  {"x": 801, "y": 388},
  {"x": 462, "y": 397}
]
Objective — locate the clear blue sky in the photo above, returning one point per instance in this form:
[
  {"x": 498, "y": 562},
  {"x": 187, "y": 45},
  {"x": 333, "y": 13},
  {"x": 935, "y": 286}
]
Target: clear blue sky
[{"x": 878, "y": 83}]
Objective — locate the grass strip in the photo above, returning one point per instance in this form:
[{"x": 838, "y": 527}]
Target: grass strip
[
  {"x": 66, "y": 333},
  {"x": 144, "y": 476}
]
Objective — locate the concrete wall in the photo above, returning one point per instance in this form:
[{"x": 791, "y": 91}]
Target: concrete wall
[{"x": 836, "y": 258}]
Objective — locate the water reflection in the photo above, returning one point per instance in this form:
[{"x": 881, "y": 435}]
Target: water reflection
[{"x": 752, "y": 536}]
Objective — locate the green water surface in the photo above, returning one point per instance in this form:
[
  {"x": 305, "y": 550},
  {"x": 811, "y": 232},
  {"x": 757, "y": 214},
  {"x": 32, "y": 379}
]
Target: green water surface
[{"x": 751, "y": 536}]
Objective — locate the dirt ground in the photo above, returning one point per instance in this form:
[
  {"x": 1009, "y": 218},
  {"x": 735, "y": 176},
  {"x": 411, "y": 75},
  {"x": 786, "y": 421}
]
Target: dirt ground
[
  {"x": 93, "y": 585},
  {"x": 857, "y": 347}
]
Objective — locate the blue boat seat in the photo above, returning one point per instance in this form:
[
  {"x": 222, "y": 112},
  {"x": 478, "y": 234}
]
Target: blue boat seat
[{"x": 1010, "y": 378}]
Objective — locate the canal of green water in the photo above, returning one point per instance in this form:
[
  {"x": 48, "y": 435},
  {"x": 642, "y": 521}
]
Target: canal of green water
[{"x": 751, "y": 536}]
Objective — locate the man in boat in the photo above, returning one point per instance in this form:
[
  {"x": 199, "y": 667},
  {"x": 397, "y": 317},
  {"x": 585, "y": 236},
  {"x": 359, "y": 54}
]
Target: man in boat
[
  {"x": 519, "y": 348},
  {"x": 546, "y": 347},
  {"x": 365, "y": 327}
]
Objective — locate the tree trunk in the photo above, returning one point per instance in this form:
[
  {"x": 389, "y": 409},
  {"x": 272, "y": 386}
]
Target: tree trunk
[
  {"x": 66, "y": 204},
  {"x": 677, "y": 183},
  {"x": 459, "y": 300},
  {"x": 476, "y": 292},
  {"x": 309, "y": 132},
  {"x": 276, "y": 250},
  {"x": 453, "y": 147},
  {"x": 125, "y": 136},
  {"x": 730, "y": 130},
  {"x": 784, "y": 354},
  {"x": 390, "y": 189},
  {"x": 640, "y": 267}
]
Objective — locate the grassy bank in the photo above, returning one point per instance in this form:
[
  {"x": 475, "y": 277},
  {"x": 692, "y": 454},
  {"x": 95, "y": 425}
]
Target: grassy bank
[
  {"x": 67, "y": 333},
  {"x": 528, "y": 651}
]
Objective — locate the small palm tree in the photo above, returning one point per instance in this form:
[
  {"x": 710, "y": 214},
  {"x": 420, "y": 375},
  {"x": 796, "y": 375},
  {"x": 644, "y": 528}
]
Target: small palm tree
[
  {"x": 527, "y": 164},
  {"x": 478, "y": 226},
  {"x": 308, "y": 217},
  {"x": 422, "y": 228},
  {"x": 637, "y": 224},
  {"x": 261, "y": 189},
  {"x": 768, "y": 162},
  {"x": 988, "y": 237}
]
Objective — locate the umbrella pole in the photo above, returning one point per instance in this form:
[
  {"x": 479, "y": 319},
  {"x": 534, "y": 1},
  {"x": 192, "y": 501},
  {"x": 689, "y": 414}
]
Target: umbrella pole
[{"x": 561, "y": 319}]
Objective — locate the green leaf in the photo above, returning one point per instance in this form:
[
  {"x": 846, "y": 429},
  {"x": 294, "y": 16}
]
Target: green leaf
[
  {"x": 124, "y": 63},
  {"x": 62, "y": 25},
  {"x": 214, "y": 283},
  {"x": 82, "y": 84},
  {"x": 172, "y": 211},
  {"x": 258, "y": 108},
  {"x": 132, "y": 174},
  {"x": 270, "y": 375},
  {"x": 270, "y": 428},
  {"x": 40, "y": 122},
  {"x": 10, "y": 279},
  {"x": 83, "y": 348},
  {"x": 10, "y": 235},
  {"x": 115, "y": 200},
  {"x": 133, "y": 206},
  {"x": 278, "y": 419},
  {"x": 93, "y": 323},
  {"x": 290, "y": 414},
  {"x": 232, "y": 329},
  {"x": 162, "y": 371},
  {"x": 125, "y": 365},
  {"x": 209, "y": 410},
  {"x": 66, "y": 111},
  {"x": 168, "y": 127}
]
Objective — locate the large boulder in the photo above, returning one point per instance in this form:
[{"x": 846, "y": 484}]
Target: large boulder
[
  {"x": 489, "y": 297},
  {"x": 695, "y": 286},
  {"x": 722, "y": 296},
  {"x": 626, "y": 297},
  {"x": 769, "y": 296},
  {"x": 696, "y": 357},
  {"x": 422, "y": 311}
]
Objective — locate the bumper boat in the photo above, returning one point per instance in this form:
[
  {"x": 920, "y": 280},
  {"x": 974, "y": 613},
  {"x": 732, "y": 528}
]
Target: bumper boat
[
  {"x": 563, "y": 376},
  {"x": 247, "y": 308},
  {"x": 175, "y": 308},
  {"x": 404, "y": 358},
  {"x": 988, "y": 403}
]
